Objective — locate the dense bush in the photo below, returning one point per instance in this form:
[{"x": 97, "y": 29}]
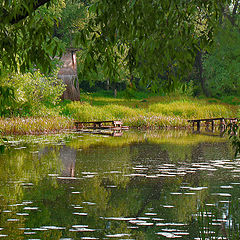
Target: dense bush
[{"x": 33, "y": 94}]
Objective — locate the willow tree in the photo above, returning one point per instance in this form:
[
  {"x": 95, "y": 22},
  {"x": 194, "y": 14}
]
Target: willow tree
[
  {"x": 161, "y": 37},
  {"x": 26, "y": 29}
]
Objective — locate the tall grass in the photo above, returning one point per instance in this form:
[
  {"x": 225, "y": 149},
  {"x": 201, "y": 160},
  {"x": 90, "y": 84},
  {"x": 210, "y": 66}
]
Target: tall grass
[
  {"x": 152, "y": 115},
  {"x": 186, "y": 109},
  {"x": 43, "y": 125}
]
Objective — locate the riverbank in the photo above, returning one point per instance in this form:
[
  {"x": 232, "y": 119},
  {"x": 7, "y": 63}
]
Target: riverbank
[
  {"x": 153, "y": 112},
  {"x": 34, "y": 125},
  {"x": 148, "y": 113}
]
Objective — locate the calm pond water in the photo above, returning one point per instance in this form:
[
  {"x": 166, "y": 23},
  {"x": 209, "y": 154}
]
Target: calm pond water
[{"x": 151, "y": 185}]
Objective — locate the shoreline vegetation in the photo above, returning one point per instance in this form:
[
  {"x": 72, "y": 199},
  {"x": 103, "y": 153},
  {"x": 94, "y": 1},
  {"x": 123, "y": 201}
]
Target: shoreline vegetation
[{"x": 148, "y": 113}]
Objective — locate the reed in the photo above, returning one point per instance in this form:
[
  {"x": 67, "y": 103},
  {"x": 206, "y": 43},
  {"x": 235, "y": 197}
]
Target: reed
[{"x": 41, "y": 125}]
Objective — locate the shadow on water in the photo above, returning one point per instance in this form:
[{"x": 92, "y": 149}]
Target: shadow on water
[{"x": 144, "y": 185}]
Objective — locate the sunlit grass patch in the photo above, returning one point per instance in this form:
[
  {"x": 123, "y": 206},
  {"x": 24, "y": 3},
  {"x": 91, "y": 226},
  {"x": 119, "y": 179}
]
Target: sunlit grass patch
[
  {"x": 21, "y": 126},
  {"x": 187, "y": 109}
]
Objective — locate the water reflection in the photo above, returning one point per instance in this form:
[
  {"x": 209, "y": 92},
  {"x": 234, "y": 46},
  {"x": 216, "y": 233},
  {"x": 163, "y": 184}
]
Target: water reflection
[{"x": 150, "y": 185}]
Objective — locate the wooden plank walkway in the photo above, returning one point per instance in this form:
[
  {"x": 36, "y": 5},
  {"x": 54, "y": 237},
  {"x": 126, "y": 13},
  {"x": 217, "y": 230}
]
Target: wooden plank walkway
[
  {"x": 223, "y": 122},
  {"x": 111, "y": 124}
]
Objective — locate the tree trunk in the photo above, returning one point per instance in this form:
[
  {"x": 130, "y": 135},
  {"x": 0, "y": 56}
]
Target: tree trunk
[
  {"x": 199, "y": 67},
  {"x": 68, "y": 73}
]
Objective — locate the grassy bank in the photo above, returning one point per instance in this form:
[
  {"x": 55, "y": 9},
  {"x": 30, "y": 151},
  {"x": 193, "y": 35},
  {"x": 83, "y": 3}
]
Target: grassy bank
[
  {"x": 154, "y": 112},
  {"x": 40, "y": 125}
]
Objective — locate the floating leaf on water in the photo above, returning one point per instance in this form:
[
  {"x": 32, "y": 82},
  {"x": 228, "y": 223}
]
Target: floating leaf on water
[
  {"x": 118, "y": 235},
  {"x": 30, "y": 208},
  {"x": 89, "y": 238},
  {"x": 226, "y": 187},
  {"x": 120, "y": 218},
  {"x": 82, "y": 230},
  {"x": 80, "y": 214},
  {"x": 80, "y": 226},
  {"x": 151, "y": 214},
  {"x": 29, "y": 233},
  {"x": 39, "y": 229},
  {"x": 197, "y": 188},
  {"x": 137, "y": 221},
  {"x": 89, "y": 203},
  {"x": 89, "y": 173},
  {"x": 135, "y": 175},
  {"x": 181, "y": 233},
  {"x": 53, "y": 227},
  {"x": 222, "y": 194},
  {"x": 165, "y": 175},
  {"x": 52, "y": 175},
  {"x": 22, "y": 214},
  {"x": 139, "y": 168},
  {"x": 151, "y": 176},
  {"x": 157, "y": 219},
  {"x": 27, "y": 184},
  {"x": 167, "y": 235},
  {"x": 88, "y": 176},
  {"x": 145, "y": 224},
  {"x": 27, "y": 202},
  {"x": 143, "y": 218}
]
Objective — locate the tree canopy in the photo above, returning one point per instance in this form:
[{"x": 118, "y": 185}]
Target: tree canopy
[
  {"x": 156, "y": 40},
  {"x": 26, "y": 30}
]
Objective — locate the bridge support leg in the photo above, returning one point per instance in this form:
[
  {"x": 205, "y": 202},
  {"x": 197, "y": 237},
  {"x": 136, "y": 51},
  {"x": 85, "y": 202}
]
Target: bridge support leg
[
  {"x": 198, "y": 126},
  {"x": 212, "y": 126}
]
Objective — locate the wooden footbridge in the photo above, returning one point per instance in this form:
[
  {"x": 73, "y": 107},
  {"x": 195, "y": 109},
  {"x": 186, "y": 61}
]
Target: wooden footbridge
[
  {"x": 112, "y": 127},
  {"x": 211, "y": 123}
]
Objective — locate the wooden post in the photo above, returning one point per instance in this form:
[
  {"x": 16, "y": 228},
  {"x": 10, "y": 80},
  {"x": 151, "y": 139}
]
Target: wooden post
[
  {"x": 212, "y": 125},
  {"x": 198, "y": 126}
]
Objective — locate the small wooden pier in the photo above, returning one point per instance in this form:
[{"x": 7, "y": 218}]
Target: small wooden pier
[
  {"x": 112, "y": 127},
  {"x": 211, "y": 123}
]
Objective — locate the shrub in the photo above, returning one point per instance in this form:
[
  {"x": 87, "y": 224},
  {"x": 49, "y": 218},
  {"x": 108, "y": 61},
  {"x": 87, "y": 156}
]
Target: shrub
[{"x": 34, "y": 93}]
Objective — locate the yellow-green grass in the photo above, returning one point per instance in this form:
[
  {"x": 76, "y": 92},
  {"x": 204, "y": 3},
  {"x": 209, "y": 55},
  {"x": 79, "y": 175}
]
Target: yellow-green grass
[
  {"x": 40, "y": 125},
  {"x": 154, "y": 112}
]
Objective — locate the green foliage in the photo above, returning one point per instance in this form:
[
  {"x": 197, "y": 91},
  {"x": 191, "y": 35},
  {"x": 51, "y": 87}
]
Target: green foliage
[
  {"x": 7, "y": 100},
  {"x": 156, "y": 40},
  {"x": 222, "y": 64},
  {"x": 73, "y": 18},
  {"x": 34, "y": 94},
  {"x": 26, "y": 34}
]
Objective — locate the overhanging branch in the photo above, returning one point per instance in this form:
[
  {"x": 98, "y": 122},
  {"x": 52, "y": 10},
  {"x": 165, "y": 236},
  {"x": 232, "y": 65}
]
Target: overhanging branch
[{"x": 23, "y": 12}]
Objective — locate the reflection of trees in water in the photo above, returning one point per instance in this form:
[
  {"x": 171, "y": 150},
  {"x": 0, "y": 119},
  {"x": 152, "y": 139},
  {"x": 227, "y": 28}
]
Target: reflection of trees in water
[{"x": 130, "y": 196}]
